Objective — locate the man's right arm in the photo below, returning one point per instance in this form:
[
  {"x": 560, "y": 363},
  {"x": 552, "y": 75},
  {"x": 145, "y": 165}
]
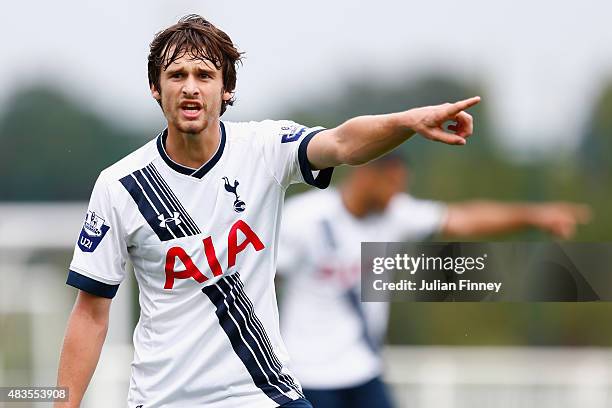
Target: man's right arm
[
  {"x": 364, "y": 138},
  {"x": 475, "y": 219},
  {"x": 83, "y": 342}
]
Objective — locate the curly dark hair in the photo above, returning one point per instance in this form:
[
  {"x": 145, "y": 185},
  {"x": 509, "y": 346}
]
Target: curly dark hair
[{"x": 196, "y": 36}]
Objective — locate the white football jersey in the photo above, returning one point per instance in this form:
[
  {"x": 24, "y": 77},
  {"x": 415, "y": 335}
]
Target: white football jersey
[
  {"x": 332, "y": 337},
  {"x": 203, "y": 243}
]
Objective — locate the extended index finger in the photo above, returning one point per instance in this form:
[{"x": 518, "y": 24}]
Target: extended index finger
[{"x": 457, "y": 107}]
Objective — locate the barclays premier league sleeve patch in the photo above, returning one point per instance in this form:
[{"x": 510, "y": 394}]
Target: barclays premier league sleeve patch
[
  {"x": 92, "y": 233},
  {"x": 291, "y": 133}
]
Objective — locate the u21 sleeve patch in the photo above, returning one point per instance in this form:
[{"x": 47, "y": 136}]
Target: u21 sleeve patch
[{"x": 94, "y": 230}]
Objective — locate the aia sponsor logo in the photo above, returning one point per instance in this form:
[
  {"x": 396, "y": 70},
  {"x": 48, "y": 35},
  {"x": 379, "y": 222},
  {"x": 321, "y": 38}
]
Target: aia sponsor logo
[
  {"x": 193, "y": 271},
  {"x": 339, "y": 273}
]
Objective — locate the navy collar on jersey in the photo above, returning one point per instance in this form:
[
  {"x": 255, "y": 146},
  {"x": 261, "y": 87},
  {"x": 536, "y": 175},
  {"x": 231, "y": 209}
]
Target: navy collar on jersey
[{"x": 197, "y": 173}]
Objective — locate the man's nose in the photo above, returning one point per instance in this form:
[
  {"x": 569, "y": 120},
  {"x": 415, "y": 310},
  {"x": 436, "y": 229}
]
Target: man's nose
[{"x": 190, "y": 87}]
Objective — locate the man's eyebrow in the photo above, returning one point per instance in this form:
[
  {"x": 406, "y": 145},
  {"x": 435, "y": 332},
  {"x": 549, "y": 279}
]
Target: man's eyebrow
[
  {"x": 207, "y": 70},
  {"x": 172, "y": 70}
]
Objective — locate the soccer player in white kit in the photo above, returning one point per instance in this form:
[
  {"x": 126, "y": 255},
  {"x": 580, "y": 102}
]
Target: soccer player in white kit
[
  {"x": 333, "y": 339},
  {"x": 197, "y": 212}
]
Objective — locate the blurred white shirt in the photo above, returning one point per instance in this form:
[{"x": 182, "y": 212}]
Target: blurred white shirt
[{"x": 331, "y": 336}]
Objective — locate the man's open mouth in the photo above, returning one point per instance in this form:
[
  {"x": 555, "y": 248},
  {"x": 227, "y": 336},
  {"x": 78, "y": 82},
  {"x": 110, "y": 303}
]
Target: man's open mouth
[{"x": 191, "y": 109}]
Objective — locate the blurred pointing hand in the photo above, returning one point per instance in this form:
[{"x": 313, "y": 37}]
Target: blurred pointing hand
[{"x": 561, "y": 218}]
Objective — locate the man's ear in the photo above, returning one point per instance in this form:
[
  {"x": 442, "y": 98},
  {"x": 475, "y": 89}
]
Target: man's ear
[
  {"x": 227, "y": 96},
  {"x": 155, "y": 93}
]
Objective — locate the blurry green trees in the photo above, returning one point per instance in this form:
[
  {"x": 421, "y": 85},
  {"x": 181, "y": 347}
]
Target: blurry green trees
[
  {"x": 596, "y": 148},
  {"x": 53, "y": 148}
]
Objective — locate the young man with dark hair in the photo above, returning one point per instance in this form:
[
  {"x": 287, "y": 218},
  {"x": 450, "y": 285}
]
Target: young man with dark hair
[{"x": 197, "y": 213}]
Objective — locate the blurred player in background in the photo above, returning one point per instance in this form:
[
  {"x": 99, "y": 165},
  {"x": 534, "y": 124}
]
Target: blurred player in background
[
  {"x": 196, "y": 211},
  {"x": 333, "y": 339}
]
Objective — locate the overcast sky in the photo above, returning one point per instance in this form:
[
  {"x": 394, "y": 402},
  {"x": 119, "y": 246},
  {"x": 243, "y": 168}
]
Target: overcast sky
[{"x": 543, "y": 62}]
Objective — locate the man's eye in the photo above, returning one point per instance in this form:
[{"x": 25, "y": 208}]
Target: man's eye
[
  {"x": 176, "y": 75},
  {"x": 204, "y": 76}
]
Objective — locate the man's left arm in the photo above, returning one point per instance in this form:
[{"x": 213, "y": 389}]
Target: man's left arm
[{"x": 364, "y": 138}]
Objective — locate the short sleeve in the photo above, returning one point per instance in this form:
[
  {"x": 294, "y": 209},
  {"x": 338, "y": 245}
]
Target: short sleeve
[
  {"x": 417, "y": 220},
  {"x": 284, "y": 146},
  {"x": 100, "y": 254}
]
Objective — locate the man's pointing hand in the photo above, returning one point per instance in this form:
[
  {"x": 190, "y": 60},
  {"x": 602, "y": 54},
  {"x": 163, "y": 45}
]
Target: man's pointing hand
[{"x": 429, "y": 121}]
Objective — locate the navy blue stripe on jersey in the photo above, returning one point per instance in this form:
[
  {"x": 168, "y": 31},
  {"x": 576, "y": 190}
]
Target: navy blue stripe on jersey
[
  {"x": 169, "y": 207},
  {"x": 170, "y": 200},
  {"x": 328, "y": 233},
  {"x": 197, "y": 173},
  {"x": 324, "y": 177},
  {"x": 248, "y": 318},
  {"x": 223, "y": 296},
  {"x": 353, "y": 299},
  {"x": 159, "y": 207},
  {"x": 163, "y": 187},
  {"x": 145, "y": 207},
  {"x": 261, "y": 332},
  {"x": 92, "y": 286},
  {"x": 244, "y": 303},
  {"x": 351, "y": 295},
  {"x": 298, "y": 403}
]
